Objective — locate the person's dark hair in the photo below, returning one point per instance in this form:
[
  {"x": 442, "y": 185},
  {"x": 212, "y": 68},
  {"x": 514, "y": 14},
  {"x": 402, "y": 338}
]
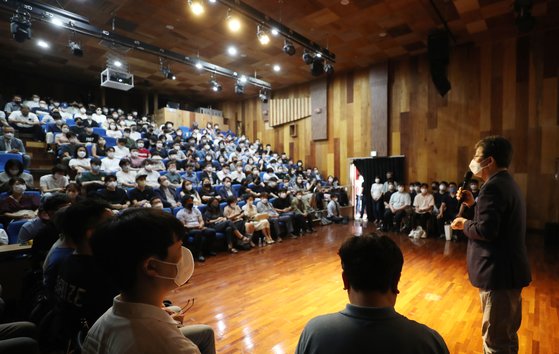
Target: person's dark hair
[
  {"x": 55, "y": 202},
  {"x": 444, "y": 183},
  {"x": 227, "y": 179},
  {"x": 95, "y": 161},
  {"x": 371, "y": 263},
  {"x": 210, "y": 207},
  {"x": 122, "y": 140},
  {"x": 80, "y": 217},
  {"x": 110, "y": 149},
  {"x": 497, "y": 147},
  {"x": 13, "y": 181},
  {"x": 124, "y": 162},
  {"x": 185, "y": 200},
  {"x": 11, "y": 163},
  {"x": 58, "y": 168},
  {"x": 143, "y": 233},
  {"x": 231, "y": 200},
  {"x": 73, "y": 186},
  {"x": 110, "y": 178},
  {"x": 424, "y": 185}
]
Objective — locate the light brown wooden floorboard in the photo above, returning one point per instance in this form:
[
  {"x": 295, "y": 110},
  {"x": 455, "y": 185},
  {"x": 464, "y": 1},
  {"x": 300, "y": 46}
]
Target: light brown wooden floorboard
[{"x": 259, "y": 301}]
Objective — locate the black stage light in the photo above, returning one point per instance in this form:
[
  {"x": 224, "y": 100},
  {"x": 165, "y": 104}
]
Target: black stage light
[
  {"x": 76, "y": 49},
  {"x": 317, "y": 66},
  {"x": 328, "y": 69},
  {"x": 307, "y": 58},
  {"x": 288, "y": 48},
  {"x": 20, "y": 26},
  {"x": 239, "y": 88}
]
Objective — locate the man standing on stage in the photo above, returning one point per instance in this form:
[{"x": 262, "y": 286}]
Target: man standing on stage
[{"x": 497, "y": 256}]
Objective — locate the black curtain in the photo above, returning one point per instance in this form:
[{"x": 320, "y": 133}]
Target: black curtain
[{"x": 378, "y": 166}]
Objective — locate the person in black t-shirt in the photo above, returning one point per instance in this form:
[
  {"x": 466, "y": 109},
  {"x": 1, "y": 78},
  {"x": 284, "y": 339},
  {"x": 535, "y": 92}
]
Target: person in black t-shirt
[
  {"x": 88, "y": 136},
  {"x": 82, "y": 290},
  {"x": 142, "y": 194},
  {"x": 283, "y": 208},
  {"x": 115, "y": 196}
]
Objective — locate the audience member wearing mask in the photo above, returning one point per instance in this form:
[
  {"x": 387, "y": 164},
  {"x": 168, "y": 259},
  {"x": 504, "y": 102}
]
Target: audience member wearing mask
[
  {"x": 167, "y": 193},
  {"x": 14, "y": 105},
  {"x": 195, "y": 227},
  {"x": 110, "y": 164},
  {"x": 378, "y": 202},
  {"x": 141, "y": 195},
  {"x": 81, "y": 162},
  {"x": 55, "y": 182},
  {"x": 12, "y": 145},
  {"x": 14, "y": 169},
  {"x": 26, "y": 122},
  {"x": 302, "y": 213},
  {"x": 423, "y": 205},
  {"x": 399, "y": 202},
  {"x": 334, "y": 213},
  {"x": 188, "y": 190},
  {"x": 112, "y": 194},
  {"x": 144, "y": 276},
  {"x": 92, "y": 180},
  {"x": 126, "y": 177},
  {"x": 151, "y": 174},
  {"x": 17, "y": 205},
  {"x": 121, "y": 151},
  {"x": 282, "y": 205},
  {"x": 264, "y": 206},
  {"x": 254, "y": 223},
  {"x": 214, "y": 218}
]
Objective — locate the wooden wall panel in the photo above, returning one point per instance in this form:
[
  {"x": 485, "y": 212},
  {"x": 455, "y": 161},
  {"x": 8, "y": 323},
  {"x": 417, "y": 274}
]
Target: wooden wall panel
[
  {"x": 319, "y": 109},
  {"x": 509, "y": 87},
  {"x": 379, "y": 98}
]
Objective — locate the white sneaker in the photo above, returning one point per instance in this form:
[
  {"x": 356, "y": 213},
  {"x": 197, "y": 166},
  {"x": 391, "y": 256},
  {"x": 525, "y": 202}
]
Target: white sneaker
[
  {"x": 412, "y": 232},
  {"x": 423, "y": 234}
]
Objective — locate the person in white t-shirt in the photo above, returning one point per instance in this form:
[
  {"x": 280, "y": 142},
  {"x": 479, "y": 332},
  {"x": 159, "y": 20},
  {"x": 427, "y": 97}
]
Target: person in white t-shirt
[
  {"x": 126, "y": 177},
  {"x": 99, "y": 117},
  {"x": 110, "y": 164},
  {"x": 423, "y": 205},
  {"x": 145, "y": 274}
]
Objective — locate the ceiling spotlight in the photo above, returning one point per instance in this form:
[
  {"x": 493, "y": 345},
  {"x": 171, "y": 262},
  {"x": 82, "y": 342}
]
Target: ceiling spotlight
[
  {"x": 262, "y": 35},
  {"x": 233, "y": 22},
  {"x": 274, "y": 32},
  {"x": 277, "y": 68},
  {"x": 328, "y": 69},
  {"x": 317, "y": 66},
  {"x": 215, "y": 85},
  {"x": 199, "y": 66},
  {"x": 57, "y": 22},
  {"x": 243, "y": 79},
  {"x": 75, "y": 48},
  {"x": 196, "y": 7},
  {"x": 117, "y": 63},
  {"x": 307, "y": 58},
  {"x": 319, "y": 55},
  {"x": 171, "y": 76},
  {"x": 288, "y": 48},
  {"x": 232, "y": 50},
  {"x": 212, "y": 1},
  {"x": 240, "y": 87},
  {"x": 20, "y": 26},
  {"x": 43, "y": 44},
  {"x": 263, "y": 96}
]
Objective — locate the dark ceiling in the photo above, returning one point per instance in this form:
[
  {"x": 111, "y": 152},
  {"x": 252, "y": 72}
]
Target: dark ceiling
[{"x": 360, "y": 33}]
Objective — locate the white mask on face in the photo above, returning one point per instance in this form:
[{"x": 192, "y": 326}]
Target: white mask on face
[
  {"x": 377, "y": 180},
  {"x": 81, "y": 153},
  {"x": 110, "y": 154},
  {"x": 112, "y": 184},
  {"x": 476, "y": 167},
  {"x": 19, "y": 188},
  {"x": 401, "y": 189},
  {"x": 185, "y": 267}
]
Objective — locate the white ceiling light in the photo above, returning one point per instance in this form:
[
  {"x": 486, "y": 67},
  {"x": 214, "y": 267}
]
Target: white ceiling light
[
  {"x": 117, "y": 63},
  {"x": 274, "y": 32},
  {"x": 57, "y": 22},
  {"x": 277, "y": 68},
  {"x": 43, "y": 44},
  {"x": 196, "y": 7},
  {"x": 262, "y": 36},
  {"x": 233, "y": 22},
  {"x": 232, "y": 51}
]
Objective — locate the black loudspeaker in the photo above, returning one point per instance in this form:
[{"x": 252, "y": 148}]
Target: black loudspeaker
[{"x": 438, "y": 51}]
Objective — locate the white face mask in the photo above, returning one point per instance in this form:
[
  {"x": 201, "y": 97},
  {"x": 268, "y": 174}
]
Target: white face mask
[
  {"x": 185, "y": 267},
  {"x": 112, "y": 184},
  {"x": 14, "y": 172},
  {"x": 81, "y": 153},
  {"x": 401, "y": 189},
  {"x": 377, "y": 180},
  {"x": 110, "y": 154},
  {"x": 148, "y": 167},
  {"x": 165, "y": 183},
  {"x": 476, "y": 167},
  {"x": 65, "y": 130},
  {"x": 19, "y": 188}
]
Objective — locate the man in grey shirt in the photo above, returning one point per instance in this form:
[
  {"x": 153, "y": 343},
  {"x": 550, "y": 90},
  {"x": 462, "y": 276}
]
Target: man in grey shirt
[{"x": 371, "y": 266}]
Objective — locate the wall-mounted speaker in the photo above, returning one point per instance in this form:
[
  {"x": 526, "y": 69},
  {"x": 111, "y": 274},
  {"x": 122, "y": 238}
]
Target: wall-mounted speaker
[{"x": 438, "y": 52}]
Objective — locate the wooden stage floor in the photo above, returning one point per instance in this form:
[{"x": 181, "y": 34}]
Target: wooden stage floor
[{"x": 259, "y": 301}]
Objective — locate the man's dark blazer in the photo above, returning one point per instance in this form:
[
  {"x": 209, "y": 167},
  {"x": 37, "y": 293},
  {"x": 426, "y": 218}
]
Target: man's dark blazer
[{"x": 497, "y": 256}]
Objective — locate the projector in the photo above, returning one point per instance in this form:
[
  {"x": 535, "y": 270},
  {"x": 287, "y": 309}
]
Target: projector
[{"x": 118, "y": 80}]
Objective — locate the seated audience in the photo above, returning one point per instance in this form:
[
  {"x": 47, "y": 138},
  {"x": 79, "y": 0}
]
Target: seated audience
[
  {"x": 227, "y": 189},
  {"x": 112, "y": 194},
  {"x": 141, "y": 195},
  {"x": 175, "y": 179},
  {"x": 194, "y": 227},
  {"x": 209, "y": 175},
  {"x": 264, "y": 206},
  {"x": 110, "y": 164},
  {"x": 91, "y": 180},
  {"x": 17, "y": 205},
  {"x": 113, "y": 131},
  {"x": 151, "y": 174},
  {"x": 121, "y": 151},
  {"x": 372, "y": 267},
  {"x": 136, "y": 322},
  {"x": 55, "y": 182},
  {"x": 81, "y": 162},
  {"x": 256, "y": 221},
  {"x": 208, "y": 192},
  {"x": 26, "y": 122},
  {"x": 302, "y": 213},
  {"x": 423, "y": 205},
  {"x": 88, "y": 136},
  {"x": 12, "y": 145},
  {"x": 333, "y": 209},
  {"x": 284, "y": 209},
  {"x": 99, "y": 150},
  {"x": 73, "y": 192},
  {"x": 126, "y": 177},
  {"x": 188, "y": 190},
  {"x": 167, "y": 193},
  {"x": 213, "y": 217},
  {"x": 80, "y": 271},
  {"x": 14, "y": 169},
  {"x": 396, "y": 210},
  {"x": 190, "y": 175}
]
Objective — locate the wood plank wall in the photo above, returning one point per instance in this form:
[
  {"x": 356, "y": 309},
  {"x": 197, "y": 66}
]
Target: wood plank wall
[{"x": 509, "y": 87}]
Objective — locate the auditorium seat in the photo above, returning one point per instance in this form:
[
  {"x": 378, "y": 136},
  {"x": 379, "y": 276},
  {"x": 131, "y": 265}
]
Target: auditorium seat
[
  {"x": 110, "y": 141},
  {"x": 236, "y": 188},
  {"x": 4, "y": 157},
  {"x": 70, "y": 121},
  {"x": 168, "y": 210},
  {"x": 13, "y": 230},
  {"x": 100, "y": 131}
]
